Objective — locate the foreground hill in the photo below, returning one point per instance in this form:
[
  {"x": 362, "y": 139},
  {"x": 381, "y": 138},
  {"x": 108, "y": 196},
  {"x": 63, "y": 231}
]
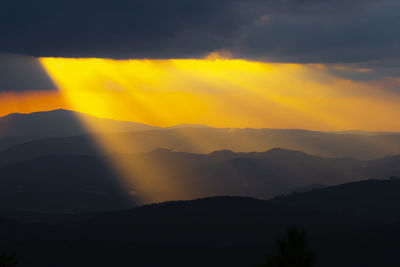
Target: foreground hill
[
  {"x": 221, "y": 231},
  {"x": 138, "y": 138},
  {"x": 373, "y": 198},
  {"x": 90, "y": 183}
]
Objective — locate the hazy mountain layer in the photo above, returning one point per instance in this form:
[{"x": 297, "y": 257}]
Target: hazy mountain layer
[
  {"x": 57, "y": 123},
  {"x": 137, "y": 138},
  {"x": 89, "y": 183}
]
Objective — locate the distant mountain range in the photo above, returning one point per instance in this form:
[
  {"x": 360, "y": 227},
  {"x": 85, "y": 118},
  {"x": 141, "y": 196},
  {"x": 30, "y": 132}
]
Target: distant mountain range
[
  {"x": 51, "y": 156},
  {"x": 78, "y": 183},
  {"x": 218, "y": 231},
  {"x": 27, "y": 136},
  {"x": 61, "y": 122},
  {"x": 363, "y": 132}
]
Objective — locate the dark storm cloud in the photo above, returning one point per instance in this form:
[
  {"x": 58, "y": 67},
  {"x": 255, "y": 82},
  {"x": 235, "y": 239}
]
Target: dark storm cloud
[
  {"x": 23, "y": 73},
  {"x": 121, "y": 28},
  {"x": 278, "y": 30},
  {"x": 363, "y": 32}
]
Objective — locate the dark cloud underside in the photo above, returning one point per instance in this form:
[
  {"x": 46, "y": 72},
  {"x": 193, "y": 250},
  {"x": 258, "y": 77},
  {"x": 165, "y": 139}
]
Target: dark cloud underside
[{"x": 279, "y": 30}]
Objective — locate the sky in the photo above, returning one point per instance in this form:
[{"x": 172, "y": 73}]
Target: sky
[{"x": 310, "y": 64}]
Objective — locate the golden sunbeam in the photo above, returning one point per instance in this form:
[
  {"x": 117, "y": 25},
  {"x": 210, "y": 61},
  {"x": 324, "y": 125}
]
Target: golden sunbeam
[
  {"x": 222, "y": 93},
  {"x": 214, "y": 92}
]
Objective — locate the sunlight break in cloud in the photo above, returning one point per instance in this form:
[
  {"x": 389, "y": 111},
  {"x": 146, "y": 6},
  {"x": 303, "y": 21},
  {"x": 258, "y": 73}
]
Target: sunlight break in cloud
[{"x": 223, "y": 93}]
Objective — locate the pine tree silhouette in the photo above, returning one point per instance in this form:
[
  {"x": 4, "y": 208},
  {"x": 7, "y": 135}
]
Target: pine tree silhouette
[
  {"x": 291, "y": 251},
  {"x": 8, "y": 260}
]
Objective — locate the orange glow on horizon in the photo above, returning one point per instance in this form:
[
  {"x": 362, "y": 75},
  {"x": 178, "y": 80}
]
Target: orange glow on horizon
[{"x": 28, "y": 102}]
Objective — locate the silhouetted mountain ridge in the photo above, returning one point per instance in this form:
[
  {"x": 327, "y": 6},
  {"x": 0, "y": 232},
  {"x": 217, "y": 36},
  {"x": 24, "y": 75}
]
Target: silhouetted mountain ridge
[
  {"x": 175, "y": 175},
  {"x": 187, "y": 138},
  {"x": 57, "y": 123},
  {"x": 218, "y": 231},
  {"x": 372, "y": 198}
]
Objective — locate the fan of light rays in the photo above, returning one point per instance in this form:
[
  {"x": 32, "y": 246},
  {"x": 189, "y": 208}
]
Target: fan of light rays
[{"x": 214, "y": 92}]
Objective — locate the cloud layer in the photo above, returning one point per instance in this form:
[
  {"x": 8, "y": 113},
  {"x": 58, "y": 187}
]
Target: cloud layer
[{"x": 282, "y": 30}]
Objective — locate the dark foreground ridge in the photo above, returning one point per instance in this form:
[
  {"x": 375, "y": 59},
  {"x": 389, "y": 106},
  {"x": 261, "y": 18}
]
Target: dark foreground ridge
[{"x": 217, "y": 231}]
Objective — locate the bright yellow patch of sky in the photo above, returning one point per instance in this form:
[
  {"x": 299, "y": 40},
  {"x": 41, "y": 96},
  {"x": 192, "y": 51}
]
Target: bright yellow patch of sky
[{"x": 222, "y": 93}]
